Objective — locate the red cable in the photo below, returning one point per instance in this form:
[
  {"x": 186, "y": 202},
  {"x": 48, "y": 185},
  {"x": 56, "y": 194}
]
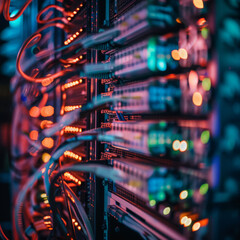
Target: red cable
[
  {"x": 35, "y": 38},
  {"x": 60, "y": 9},
  {"x": 2, "y": 234},
  {"x": 6, "y": 7}
]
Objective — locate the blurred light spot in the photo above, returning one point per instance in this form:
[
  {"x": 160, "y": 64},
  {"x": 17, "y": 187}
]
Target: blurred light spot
[
  {"x": 175, "y": 55},
  {"x": 183, "y": 195},
  {"x": 46, "y": 157},
  {"x": 33, "y": 135},
  {"x": 203, "y": 189},
  {"x": 198, "y": 3},
  {"x": 152, "y": 203},
  {"x": 196, "y": 226},
  {"x": 183, "y": 220},
  {"x": 188, "y": 222},
  {"x": 45, "y": 124},
  {"x": 193, "y": 80},
  {"x": 197, "y": 99},
  {"x": 176, "y": 145},
  {"x": 183, "y": 146},
  {"x": 206, "y": 84},
  {"x": 47, "y": 111},
  {"x": 183, "y": 53},
  {"x": 166, "y": 210},
  {"x": 205, "y": 136},
  {"x": 34, "y": 112},
  {"x": 48, "y": 142}
]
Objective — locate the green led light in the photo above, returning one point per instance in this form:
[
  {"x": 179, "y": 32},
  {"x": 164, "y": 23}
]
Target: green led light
[
  {"x": 166, "y": 210},
  {"x": 204, "y": 33},
  {"x": 152, "y": 203},
  {"x": 161, "y": 196},
  {"x": 152, "y": 50},
  {"x": 206, "y": 84},
  {"x": 205, "y": 136},
  {"x": 203, "y": 189}
]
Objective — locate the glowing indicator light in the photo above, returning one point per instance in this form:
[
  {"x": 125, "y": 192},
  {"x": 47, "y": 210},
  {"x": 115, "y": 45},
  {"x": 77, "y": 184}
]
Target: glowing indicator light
[
  {"x": 176, "y": 145},
  {"x": 205, "y": 136},
  {"x": 47, "y": 111},
  {"x": 72, "y": 155},
  {"x": 203, "y": 189},
  {"x": 198, "y": 3},
  {"x": 48, "y": 142},
  {"x": 206, "y": 84},
  {"x": 34, "y": 112},
  {"x": 193, "y": 80},
  {"x": 188, "y": 222},
  {"x": 183, "y": 53},
  {"x": 204, "y": 33},
  {"x": 196, "y": 226},
  {"x": 47, "y": 82},
  {"x": 46, "y": 157},
  {"x": 201, "y": 21},
  {"x": 183, "y": 195},
  {"x": 197, "y": 99},
  {"x": 152, "y": 203},
  {"x": 71, "y": 108},
  {"x": 183, "y": 146},
  {"x": 175, "y": 55},
  {"x": 166, "y": 210},
  {"x": 45, "y": 124},
  {"x": 33, "y": 135},
  {"x": 183, "y": 220}
]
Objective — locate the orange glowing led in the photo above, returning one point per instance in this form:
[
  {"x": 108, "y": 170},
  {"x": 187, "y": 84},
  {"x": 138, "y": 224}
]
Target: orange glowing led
[
  {"x": 72, "y": 108},
  {"x": 48, "y": 142},
  {"x": 34, "y": 112},
  {"x": 183, "y": 220},
  {"x": 176, "y": 145},
  {"x": 33, "y": 135},
  {"x": 198, "y": 3},
  {"x": 196, "y": 226},
  {"x": 47, "y": 111},
  {"x": 175, "y": 55},
  {"x": 201, "y": 21},
  {"x": 46, "y": 157},
  {"x": 70, "y": 177},
  {"x": 45, "y": 124},
  {"x": 188, "y": 222},
  {"x": 183, "y": 53},
  {"x": 183, "y": 146},
  {"x": 183, "y": 195},
  {"x": 70, "y": 129},
  {"x": 72, "y": 155},
  {"x": 197, "y": 99},
  {"x": 47, "y": 82}
]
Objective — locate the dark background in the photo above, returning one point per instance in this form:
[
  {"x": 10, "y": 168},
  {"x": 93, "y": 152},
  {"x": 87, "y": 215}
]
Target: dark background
[{"x": 5, "y": 133}]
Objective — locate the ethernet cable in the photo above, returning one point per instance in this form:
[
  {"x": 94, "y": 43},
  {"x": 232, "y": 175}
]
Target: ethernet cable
[
  {"x": 86, "y": 222},
  {"x": 99, "y": 170},
  {"x": 2, "y": 235},
  {"x": 32, "y": 40},
  {"x": 45, "y": 21},
  {"x": 6, "y": 7},
  {"x": 71, "y": 117}
]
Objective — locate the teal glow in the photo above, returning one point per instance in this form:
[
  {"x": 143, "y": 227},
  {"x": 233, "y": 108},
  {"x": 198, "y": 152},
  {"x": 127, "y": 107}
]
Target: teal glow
[
  {"x": 152, "y": 54},
  {"x": 16, "y": 23},
  {"x": 162, "y": 65}
]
